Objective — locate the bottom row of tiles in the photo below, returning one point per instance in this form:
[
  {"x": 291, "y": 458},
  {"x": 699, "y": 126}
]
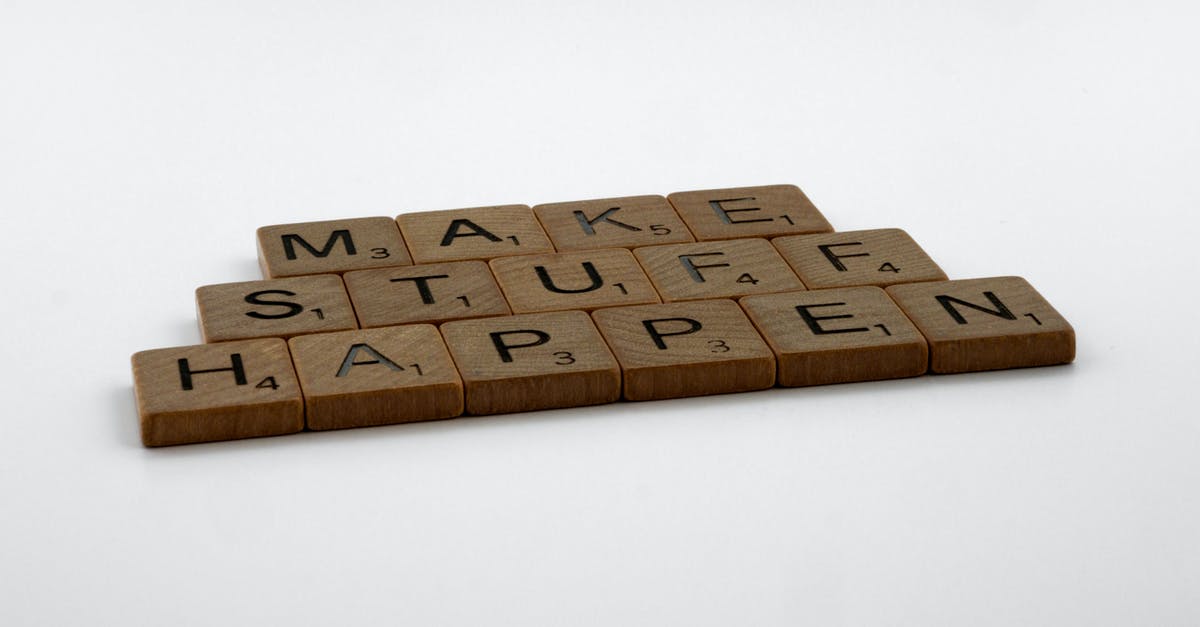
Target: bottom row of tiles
[{"x": 528, "y": 362}]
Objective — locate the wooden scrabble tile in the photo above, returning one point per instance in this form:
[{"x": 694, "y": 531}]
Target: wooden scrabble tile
[
  {"x": 626, "y": 222},
  {"x": 475, "y": 233},
  {"x": 578, "y": 280},
  {"x": 764, "y": 211},
  {"x": 332, "y": 246},
  {"x": 273, "y": 308},
  {"x": 686, "y": 349},
  {"x": 716, "y": 269},
  {"x": 376, "y": 377},
  {"x": 432, "y": 293},
  {"x": 838, "y": 336},
  {"x": 532, "y": 361},
  {"x": 879, "y": 257},
  {"x": 216, "y": 392},
  {"x": 986, "y": 324}
]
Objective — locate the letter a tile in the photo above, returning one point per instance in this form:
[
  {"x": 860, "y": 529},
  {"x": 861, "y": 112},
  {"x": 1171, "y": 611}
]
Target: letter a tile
[
  {"x": 764, "y": 211},
  {"x": 532, "y": 361},
  {"x": 475, "y": 233},
  {"x": 214, "y": 392},
  {"x": 274, "y": 308},
  {"x": 838, "y": 336},
  {"x": 332, "y": 246},
  {"x": 986, "y": 324},
  {"x": 686, "y": 349},
  {"x": 579, "y": 280},
  {"x": 376, "y": 377}
]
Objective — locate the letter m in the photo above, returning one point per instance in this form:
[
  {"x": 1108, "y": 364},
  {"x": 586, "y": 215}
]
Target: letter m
[{"x": 291, "y": 239}]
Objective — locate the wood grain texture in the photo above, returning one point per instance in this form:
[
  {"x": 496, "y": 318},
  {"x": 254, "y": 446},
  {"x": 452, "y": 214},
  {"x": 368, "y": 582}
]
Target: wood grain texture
[
  {"x": 735, "y": 212},
  {"x": 473, "y": 233},
  {"x": 626, "y": 222},
  {"x": 432, "y": 293},
  {"x": 879, "y": 257},
  {"x": 577, "y": 280},
  {"x": 212, "y": 392},
  {"x": 686, "y": 349},
  {"x": 532, "y": 361},
  {"x": 274, "y": 308},
  {"x": 986, "y": 324},
  {"x": 838, "y": 336},
  {"x": 330, "y": 246},
  {"x": 724, "y": 269},
  {"x": 376, "y": 377}
]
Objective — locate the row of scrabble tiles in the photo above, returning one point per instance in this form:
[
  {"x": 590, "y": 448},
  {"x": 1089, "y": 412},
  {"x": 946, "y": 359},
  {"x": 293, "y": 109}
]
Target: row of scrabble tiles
[
  {"x": 558, "y": 281},
  {"x": 482, "y": 233},
  {"x": 524, "y": 362}
]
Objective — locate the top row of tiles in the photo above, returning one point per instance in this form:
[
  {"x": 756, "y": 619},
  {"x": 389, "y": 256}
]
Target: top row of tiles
[{"x": 488, "y": 232}]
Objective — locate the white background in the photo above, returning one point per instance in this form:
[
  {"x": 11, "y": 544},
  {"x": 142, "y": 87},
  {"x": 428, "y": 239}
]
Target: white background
[{"x": 141, "y": 143}]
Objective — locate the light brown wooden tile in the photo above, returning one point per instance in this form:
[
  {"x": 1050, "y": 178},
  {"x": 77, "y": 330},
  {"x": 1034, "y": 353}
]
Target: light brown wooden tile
[
  {"x": 879, "y": 257},
  {"x": 626, "y": 222},
  {"x": 216, "y": 392},
  {"x": 578, "y": 280},
  {"x": 532, "y": 361},
  {"x": 838, "y": 336},
  {"x": 273, "y": 308},
  {"x": 723, "y": 269},
  {"x": 474, "y": 233},
  {"x": 433, "y": 293},
  {"x": 331, "y": 246},
  {"x": 686, "y": 349},
  {"x": 376, "y": 377},
  {"x": 764, "y": 211},
  {"x": 986, "y": 324}
]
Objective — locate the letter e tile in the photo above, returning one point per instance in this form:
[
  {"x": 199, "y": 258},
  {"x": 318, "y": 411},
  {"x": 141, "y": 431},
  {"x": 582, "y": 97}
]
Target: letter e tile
[{"x": 838, "y": 336}]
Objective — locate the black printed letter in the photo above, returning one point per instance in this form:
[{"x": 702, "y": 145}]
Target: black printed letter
[
  {"x": 503, "y": 349},
  {"x": 291, "y": 239},
  {"x": 351, "y": 355},
  {"x": 1000, "y": 310},
  {"x": 186, "y": 372},
  {"x": 657, "y": 336},
  {"x": 476, "y": 231},
  {"x": 548, "y": 283},
  {"x": 292, "y": 308}
]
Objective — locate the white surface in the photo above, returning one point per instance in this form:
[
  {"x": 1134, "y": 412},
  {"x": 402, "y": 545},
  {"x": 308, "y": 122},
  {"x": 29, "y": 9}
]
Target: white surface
[{"x": 142, "y": 143}]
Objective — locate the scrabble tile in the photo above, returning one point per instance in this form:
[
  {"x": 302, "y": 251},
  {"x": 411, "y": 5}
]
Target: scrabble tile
[
  {"x": 838, "y": 336},
  {"x": 768, "y": 210},
  {"x": 532, "y": 361},
  {"x": 475, "y": 233},
  {"x": 986, "y": 324},
  {"x": 879, "y": 257},
  {"x": 579, "y": 280},
  {"x": 626, "y": 222},
  {"x": 213, "y": 392},
  {"x": 273, "y": 308},
  {"x": 723, "y": 269},
  {"x": 332, "y": 246},
  {"x": 432, "y": 293},
  {"x": 376, "y": 377},
  {"x": 686, "y": 349}
]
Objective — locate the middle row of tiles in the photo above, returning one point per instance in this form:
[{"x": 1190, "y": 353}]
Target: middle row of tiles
[{"x": 587, "y": 280}]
